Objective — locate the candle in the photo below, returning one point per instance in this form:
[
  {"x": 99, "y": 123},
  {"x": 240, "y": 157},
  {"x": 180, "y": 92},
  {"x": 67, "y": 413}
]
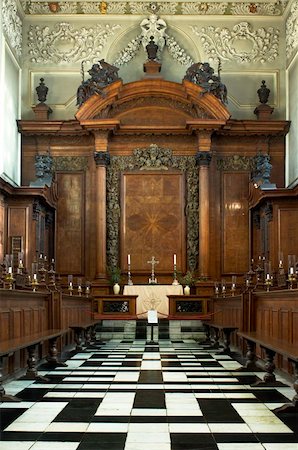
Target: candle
[
  {"x": 268, "y": 276},
  {"x": 9, "y": 269},
  {"x": 175, "y": 259},
  {"x": 34, "y": 276},
  {"x": 291, "y": 270},
  {"x": 128, "y": 258}
]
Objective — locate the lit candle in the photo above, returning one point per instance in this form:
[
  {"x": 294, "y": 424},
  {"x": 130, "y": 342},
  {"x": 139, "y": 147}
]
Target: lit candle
[
  {"x": 291, "y": 270},
  {"x": 128, "y": 258},
  {"x": 175, "y": 259},
  {"x": 268, "y": 276},
  {"x": 9, "y": 269},
  {"x": 34, "y": 276}
]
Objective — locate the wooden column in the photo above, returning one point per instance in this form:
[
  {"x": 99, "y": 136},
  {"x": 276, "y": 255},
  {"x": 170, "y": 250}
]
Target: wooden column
[
  {"x": 102, "y": 159},
  {"x": 203, "y": 158}
]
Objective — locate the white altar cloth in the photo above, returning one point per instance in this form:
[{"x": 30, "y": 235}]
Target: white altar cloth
[{"x": 153, "y": 297}]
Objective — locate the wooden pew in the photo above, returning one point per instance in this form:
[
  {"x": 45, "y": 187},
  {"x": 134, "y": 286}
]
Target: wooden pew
[
  {"x": 30, "y": 342},
  {"x": 226, "y": 318},
  {"x": 274, "y": 331}
]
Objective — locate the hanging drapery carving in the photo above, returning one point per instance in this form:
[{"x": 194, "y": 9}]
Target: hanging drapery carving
[{"x": 152, "y": 157}]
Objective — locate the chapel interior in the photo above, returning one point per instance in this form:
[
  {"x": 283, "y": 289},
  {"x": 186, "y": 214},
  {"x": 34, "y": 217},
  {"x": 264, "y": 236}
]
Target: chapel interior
[{"x": 148, "y": 225}]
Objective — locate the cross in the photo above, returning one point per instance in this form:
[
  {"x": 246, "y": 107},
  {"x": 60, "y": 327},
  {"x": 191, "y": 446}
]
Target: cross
[{"x": 153, "y": 262}]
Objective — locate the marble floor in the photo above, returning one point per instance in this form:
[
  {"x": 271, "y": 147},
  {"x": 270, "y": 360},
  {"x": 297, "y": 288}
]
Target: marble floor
[{"x": 129, "y": 395}]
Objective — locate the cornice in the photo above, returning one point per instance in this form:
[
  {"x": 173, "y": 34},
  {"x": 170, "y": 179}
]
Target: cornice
[
  {"x": 255, "y": 127},
  {"x": 258, "y": 196}
]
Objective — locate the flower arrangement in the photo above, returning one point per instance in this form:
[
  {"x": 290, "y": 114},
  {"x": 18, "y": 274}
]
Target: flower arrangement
[
  {"x": 114, "y": 274},
  {"x": 188, "y": 279}
]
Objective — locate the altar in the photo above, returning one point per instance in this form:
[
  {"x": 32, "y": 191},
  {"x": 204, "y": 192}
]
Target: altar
[{"x": 153, "y": 297}]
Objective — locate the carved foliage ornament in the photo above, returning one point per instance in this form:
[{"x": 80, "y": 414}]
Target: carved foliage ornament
[
  {"x": 228, "y": 44},
  {"x": 152, "y": 157},
  {"x": 292, "y": 30},
  {"x": 12, "y": 25},
  {"x": 64, "y": 44},
  {"x": 156, "y": 27},
  {"x": 236, "y": 162}
]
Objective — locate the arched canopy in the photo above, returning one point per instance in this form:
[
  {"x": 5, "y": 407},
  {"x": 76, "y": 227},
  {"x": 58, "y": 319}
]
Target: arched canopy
[{"x": 153, "y": 105}]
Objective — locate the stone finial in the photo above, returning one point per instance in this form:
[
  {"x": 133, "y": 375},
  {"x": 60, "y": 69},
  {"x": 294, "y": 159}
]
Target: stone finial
[
  {"x": 263, "y": 93},
  {"x": 42, "y": 110},
  {"x": 263, "y": 111},
  {"x": 42, "y": 91}
]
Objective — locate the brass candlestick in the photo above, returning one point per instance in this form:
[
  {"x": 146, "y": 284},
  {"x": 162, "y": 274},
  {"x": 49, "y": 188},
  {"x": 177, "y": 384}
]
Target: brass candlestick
[
  {"x": 129, "y": 281},
  {"x": 70, "y": 288},
  {"x": 175, "y": 281},
  {"x": 34, "y": 283},
  {"x": 291, "y": 279},
  {"x": 268, "y": 283},
  {"x": 10, "y": 280}
]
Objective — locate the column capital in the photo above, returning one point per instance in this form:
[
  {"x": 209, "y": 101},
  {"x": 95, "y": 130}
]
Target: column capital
[
  {"x": 101, "y": 159},
  {"x": 203, "y": 158}
]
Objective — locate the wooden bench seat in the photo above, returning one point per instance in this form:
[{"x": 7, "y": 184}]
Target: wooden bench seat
[
  {"x": 217, "y": 328},
  {"x": 10, "y": 346},
  {"x": 84, "y": 332},
  {"x": 271, "y": 347}
]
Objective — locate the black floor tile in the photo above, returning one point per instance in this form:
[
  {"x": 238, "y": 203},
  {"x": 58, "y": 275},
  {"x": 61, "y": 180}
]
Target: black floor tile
[
  {"x": 107, "y": 438},
  {"x": 32, "y": 395},
  {"x": 270, "y": 395},
  {"x": 146, "y": 398},
  {"x": 236, "y": 437},
  {"x": 219, "y": 411},
  {"x": 192, "y": 439},
  {"x": 19, "y": 436},
  {"x": 150, "y": 376},
  {"x": 8, "y": 415},
  {"x": 61, "y": 437},
  {"x": 78, "y": 410}
]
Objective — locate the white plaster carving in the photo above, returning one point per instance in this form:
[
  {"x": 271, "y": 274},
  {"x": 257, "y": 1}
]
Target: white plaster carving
[
  {"x": 292, "y": 30},
  {"x": 255, "y": 9},
  {"x": 156, "y": 27},
  {"x": 259, "y": 46},
  {"x": 139, "y": 8},
  {"x": 38, "y": 8},
  {"x": 204, "y": 8},
  {"x": 129, "y": 52},
  {"x": 116, "y": 8},
  {"x": 90, "y": 7},
  {"x": 168, "y": 8},
  {"x": 68, "y": 7},
  {"x": 12, "y": 25},
  {"x": 63, "y": 43},
  {"x": 177, "y": 52}
]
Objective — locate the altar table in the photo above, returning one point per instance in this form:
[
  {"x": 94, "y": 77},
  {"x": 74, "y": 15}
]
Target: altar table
[{"x": 153, "y": 297}]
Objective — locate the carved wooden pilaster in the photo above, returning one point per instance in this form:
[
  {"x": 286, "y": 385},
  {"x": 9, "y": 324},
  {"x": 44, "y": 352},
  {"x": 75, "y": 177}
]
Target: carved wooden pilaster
[
  {"x": 102, "y": 159},
  {"x": 203, "y": 159}
]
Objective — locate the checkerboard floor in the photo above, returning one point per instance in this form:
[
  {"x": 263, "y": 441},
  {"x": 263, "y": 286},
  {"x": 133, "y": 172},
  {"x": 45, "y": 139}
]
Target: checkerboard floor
[{"x": 129, "y": 395}]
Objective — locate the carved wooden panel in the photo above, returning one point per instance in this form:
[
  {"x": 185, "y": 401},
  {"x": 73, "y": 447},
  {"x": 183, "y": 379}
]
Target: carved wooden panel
[
  {"x": 235, "y": 231},
  {"x": 153, "y": 221},
  {"x": 70, "y": 223},
  {"x": 287, "y": 232},
  {"x": 2, "y": 228}
]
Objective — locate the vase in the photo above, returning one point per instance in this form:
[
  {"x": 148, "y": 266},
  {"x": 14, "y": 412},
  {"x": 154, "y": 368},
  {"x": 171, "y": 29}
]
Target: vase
[
  {"x": 186, "y": 290},
  {"x": 116, "y": 288}
]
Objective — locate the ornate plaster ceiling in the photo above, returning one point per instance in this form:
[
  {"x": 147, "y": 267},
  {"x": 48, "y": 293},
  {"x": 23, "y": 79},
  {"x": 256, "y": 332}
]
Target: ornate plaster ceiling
[{"x": 135, "y": 7}]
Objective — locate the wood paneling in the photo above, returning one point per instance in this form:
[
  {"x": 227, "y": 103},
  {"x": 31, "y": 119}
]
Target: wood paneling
[
  {"x": 287, "y": 232},
  {"x": 153, "y": 221},
  {"x": 70, "y": 223},
  {"x": 235, "y": 229}
]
